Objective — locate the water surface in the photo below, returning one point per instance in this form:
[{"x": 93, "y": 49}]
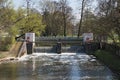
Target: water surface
[{"x": 66, "y": 66}]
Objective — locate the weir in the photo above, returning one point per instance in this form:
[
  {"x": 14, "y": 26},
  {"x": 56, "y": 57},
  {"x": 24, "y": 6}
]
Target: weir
[
  {"x": 56, "y": 59},
  {"x": 51, "y": 44},
  {"x": 58, "y": 45}
]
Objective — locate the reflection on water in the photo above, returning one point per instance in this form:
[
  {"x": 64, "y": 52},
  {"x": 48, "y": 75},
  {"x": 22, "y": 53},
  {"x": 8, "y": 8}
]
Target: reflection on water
[{"x": 55, "y": 67}]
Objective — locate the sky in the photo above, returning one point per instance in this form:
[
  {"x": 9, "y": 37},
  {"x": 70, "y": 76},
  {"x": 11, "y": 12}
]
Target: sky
[
  {"x": 17, "y": 3},
  {"x": 72, "y": 3}
]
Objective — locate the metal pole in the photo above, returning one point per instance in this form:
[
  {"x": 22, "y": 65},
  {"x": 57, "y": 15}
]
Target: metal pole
[{"x": 28, "y": 1}]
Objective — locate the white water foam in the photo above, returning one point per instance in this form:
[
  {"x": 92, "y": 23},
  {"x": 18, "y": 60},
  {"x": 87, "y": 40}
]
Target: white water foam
[
  {"x": 46, "y": 54},
  {"x": 62, "y": 55}
]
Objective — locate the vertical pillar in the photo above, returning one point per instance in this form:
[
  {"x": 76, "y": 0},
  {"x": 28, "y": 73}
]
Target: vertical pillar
[
  {"x": 30, "y": 39},
  {"x": 59, "y": 49}
]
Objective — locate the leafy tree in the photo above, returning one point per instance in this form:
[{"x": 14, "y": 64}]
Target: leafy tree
[
  {"x": 6, "y": 11},
  {"x": 7, "y": 20},
  {"x": 31, "y": 23}
]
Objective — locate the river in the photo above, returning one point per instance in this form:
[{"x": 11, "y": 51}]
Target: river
[{"x": 50, "y": 66}]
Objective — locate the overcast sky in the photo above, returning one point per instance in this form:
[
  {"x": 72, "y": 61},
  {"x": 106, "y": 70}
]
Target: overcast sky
[{"x": 72, "y": 3}]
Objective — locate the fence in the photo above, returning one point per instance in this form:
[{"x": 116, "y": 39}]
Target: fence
[
  {"x": 114, "y": 49},
  {"x": 93, "y": 46}
]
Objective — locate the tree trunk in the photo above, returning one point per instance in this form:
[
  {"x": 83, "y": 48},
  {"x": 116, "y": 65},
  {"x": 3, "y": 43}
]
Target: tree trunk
[
  {"x": 64, "y": 17},
  {"x": 80, "y": 24}
]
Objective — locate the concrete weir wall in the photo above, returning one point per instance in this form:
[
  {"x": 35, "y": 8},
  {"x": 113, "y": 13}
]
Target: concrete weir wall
[
  {"x": 23, "y": 50},
  {"x": 30, "y": 39},
  {"x": 28, "y": 44},
  {"x": 57, "y": 42}
]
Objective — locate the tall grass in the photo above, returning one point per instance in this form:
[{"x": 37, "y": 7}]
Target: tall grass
[{"x": 111, "y": 60}]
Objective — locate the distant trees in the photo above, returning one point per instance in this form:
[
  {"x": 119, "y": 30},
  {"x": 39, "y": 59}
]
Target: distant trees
[
  {"x": 84, "y": 5},
  {"x": 15, "y": 22},
  {"x": 55, "y": 19},
  {"x": 109, "y": 17},
  {"x": 57, "y": 16},
  {"x": 104, "y": 22},
  {"x": 51, "y": 18}
]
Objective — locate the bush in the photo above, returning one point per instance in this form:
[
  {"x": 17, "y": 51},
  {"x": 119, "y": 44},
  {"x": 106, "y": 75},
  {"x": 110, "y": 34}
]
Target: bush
[
  {"x": 5, "y": 43},
  {"x": 111, "y": 60},
  {"x": 5, "y": 48}
]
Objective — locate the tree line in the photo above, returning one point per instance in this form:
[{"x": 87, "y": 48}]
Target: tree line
[
  {"x": 104, "y": 21},
  {"x": 56, "y": 18}
]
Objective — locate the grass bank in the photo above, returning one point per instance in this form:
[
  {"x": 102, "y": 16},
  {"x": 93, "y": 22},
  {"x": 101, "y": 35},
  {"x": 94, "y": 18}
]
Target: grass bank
[
  {"x": 12, "y": 52},
  {"x": 112, "y": 61}
]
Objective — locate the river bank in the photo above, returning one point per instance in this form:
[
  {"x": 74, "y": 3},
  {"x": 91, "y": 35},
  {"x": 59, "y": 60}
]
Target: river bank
[
  {"x": 10, "y": 55},
  {"x": 109, "y": 59},
  {"x": 6, "y": 57}
]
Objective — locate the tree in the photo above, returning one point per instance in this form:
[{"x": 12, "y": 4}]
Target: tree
[
  {"x": 66, "y": 16},
  {"x": 5, "y": 16},
  {"x": 85, "y": 4},
  {"x": 52, "y": 18},
  {"x": 80, "y": 24},
  {"x": 29, "y": 20},
  {"x": 8, "y": 18},
  {"x": 89, "y": 21},
  {"x": 55, "y": 18},
  {"x": 7, "y": 28},
  {"x": 118, "y": 19},
  {"x": 33, "y": 25},
  {"x": 63, "y": 4},
  {"x": 109, "y": 16}
]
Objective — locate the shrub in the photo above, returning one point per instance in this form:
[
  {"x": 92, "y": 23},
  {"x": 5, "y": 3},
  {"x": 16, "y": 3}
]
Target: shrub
[{"x": 5, "y": 43}]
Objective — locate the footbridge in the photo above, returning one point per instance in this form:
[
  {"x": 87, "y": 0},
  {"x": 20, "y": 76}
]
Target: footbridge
[
  {"x": 54, "y": 44},
  {"x": 58, "y": 44},
  {"x": 63, "y": 40}
]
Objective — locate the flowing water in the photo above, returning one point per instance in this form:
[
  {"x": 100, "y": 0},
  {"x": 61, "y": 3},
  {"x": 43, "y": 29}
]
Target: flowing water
[{"x": 48, "y": 66}]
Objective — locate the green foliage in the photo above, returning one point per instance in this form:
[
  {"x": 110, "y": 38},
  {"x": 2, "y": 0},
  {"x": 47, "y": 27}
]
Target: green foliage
[
  {"x": 109, "y": 59},
  {"x": 7, "y": 20},
  {"x": 31, "y": 23},
  {"x": 5, "y": 43},
  {"x": 14, "y": 22}
]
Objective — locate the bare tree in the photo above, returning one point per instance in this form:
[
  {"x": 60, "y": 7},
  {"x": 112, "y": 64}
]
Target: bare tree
[
  {"x": 80, "y": 24},
  {"x": 118, "y": 18},
  {"x": 109, "y": 18},
  {"x": 64, "y": 10},
  {"x": 56, "y": 16}
]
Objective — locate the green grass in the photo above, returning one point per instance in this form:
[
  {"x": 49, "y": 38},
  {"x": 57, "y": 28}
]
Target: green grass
[{"x": 112, "y": 61}]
